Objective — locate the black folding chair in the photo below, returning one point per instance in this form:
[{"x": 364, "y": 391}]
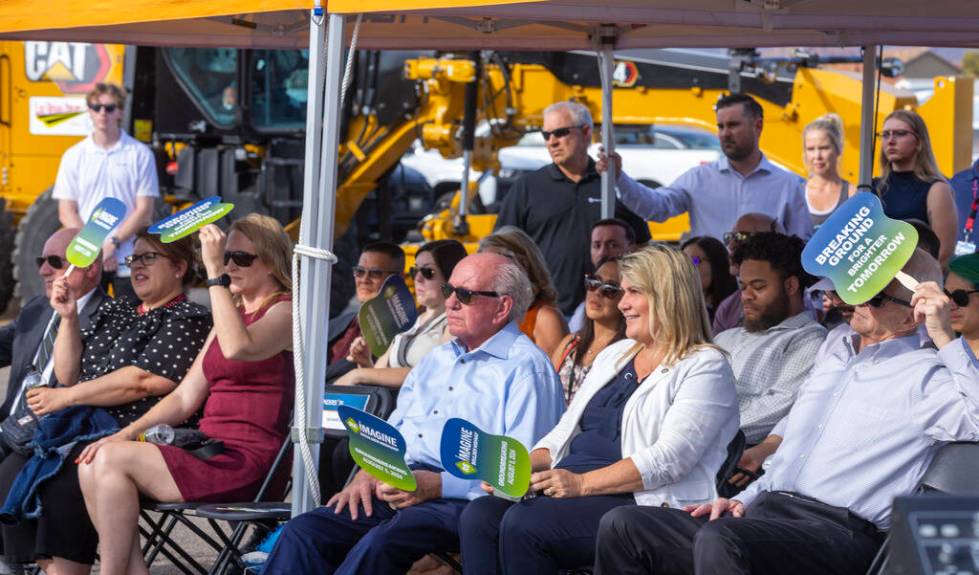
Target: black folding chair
[
  {"x": 954, "y": 471},
  {"x": 158, "y": 531},
  {"x": 375, "y": 400}
]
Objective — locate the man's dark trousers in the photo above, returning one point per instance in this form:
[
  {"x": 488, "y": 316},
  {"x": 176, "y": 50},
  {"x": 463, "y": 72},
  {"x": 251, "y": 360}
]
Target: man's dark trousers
[
  {"x": 778, "y": 534},
  {"x": 388, "y": 541}
]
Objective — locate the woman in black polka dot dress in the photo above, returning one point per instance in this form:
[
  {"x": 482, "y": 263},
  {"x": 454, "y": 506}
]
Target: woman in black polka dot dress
[{"x": 132, "y": 356}]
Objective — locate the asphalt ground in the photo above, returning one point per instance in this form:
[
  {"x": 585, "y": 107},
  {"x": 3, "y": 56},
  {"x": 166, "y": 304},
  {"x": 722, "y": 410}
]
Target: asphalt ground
[{"x": 200, "y": 551}]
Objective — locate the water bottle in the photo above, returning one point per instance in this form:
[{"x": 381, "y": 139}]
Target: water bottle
[{"x": 161, "y": 434}]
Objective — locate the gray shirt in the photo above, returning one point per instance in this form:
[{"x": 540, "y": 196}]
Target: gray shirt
[
  {"x": 770, "y": 366},
  {"x": 716, "y": 195}
]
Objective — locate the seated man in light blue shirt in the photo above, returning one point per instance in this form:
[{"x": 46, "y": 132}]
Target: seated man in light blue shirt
[
  {"x": 491, "y": 375},
  {"x": 716, "y": 194},
  {"x": 864, "y": 428}
]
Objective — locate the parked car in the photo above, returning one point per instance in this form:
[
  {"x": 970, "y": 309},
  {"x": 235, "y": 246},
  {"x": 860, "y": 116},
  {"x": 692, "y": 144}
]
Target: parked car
[{"x": 653, "y": 155}]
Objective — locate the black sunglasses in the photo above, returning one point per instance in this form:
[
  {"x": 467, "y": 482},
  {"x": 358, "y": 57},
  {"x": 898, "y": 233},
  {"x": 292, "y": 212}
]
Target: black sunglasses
[
  {"x": 241, "y": 259},
  {"x": 879, "y": 299},
  {"x": 959, "y": 296},
  {"x": 109, "y": 108},
  {"x": 605, "y": 289},
  {"x": 427, "y": 273},
  {"x": 559, "y": 132},
  {"x": 372, "y": 273},
  {"x": 144, "y": 259},
  {"x": 57, "y": 262},
  {"x": 465, "y": 295}
]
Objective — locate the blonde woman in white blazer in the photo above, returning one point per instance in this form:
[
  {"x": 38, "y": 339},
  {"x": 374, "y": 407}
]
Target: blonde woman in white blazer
[{"x": 650, "y": 425}]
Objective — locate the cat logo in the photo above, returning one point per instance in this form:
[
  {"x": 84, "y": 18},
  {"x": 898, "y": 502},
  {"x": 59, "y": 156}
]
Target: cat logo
[{"x": 75, "y": 66}]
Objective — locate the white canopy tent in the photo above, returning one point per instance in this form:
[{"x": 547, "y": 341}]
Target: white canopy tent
[{"x": 471, "y": 25}]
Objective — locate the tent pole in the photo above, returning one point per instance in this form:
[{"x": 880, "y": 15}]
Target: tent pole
[
  {"x": 867, "y": 120},
  {"x": 317, "y": 232},
  {"x": 606, "y": 64}
]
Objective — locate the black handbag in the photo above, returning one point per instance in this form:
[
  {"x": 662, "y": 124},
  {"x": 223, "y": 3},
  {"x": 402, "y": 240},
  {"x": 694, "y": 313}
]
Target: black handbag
[{"x": 17, "y": 431}]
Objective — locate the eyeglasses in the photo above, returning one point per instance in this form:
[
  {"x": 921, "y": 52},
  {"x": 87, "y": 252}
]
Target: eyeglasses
[
  {"x": 605, "y": 289},
  {"x": 427, "y": 273},
  {"x": 736, "y": 237},
  {"x": 959, "y": 296},
  {"x": 372, "y": 273},
  {"x": 144, "y": 259},
  {"x": 465, "y": 295},
  {"x": 109, "y": 108},
  {"x": 57, "y": 262},
  {"x": 559, "y": 132},
  {"x": 879, "y": 299},
  {"x": 895, "y": 134},
  {"x": 696, "y": 260},
  {"x": 241, "y": 259}
]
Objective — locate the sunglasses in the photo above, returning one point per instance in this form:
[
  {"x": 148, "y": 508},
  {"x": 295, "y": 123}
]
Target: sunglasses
[
  {"x": 605, "y": 289},
  {"x": 57, "y": 262},
  {"x": 959, "y": 296},
  {"x": 241, "y": 259},
  {"x": 465, "y": 295},
  {"x": 372, "y": 273},
  {"x": 896, "y": 134},
  {"x": 559, "y": 132},
  {"x": 879, "y": 299},
  {"x": 427, "y": 273},
  {"x": 734, "y": 237},
  {"x": 109, "y": 108},
  {"x": 144, "y": 259}
]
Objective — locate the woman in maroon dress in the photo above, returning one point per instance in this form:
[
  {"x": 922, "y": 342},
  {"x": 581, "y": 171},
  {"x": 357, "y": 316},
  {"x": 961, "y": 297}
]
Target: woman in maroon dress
[{"x": 244, "y": 379}]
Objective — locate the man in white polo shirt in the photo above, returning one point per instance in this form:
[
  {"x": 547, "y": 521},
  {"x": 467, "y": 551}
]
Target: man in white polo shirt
[{"x": 108, "y": 163}]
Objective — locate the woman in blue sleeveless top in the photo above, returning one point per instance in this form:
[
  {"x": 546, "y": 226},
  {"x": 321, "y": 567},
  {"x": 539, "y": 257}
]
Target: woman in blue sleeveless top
[{"x": 910, "y": 185}]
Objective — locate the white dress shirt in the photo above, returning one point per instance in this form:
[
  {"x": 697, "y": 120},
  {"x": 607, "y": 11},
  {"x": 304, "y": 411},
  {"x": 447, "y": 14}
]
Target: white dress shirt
[
  {"x": 716, "y": 195},
  {"x": 866, "y": 425},
  {"x": 770, "y": 366}
]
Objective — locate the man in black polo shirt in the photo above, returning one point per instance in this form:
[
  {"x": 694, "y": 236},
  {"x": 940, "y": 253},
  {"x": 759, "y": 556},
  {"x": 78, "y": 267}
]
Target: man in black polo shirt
[{"x": 558, "y": 204}]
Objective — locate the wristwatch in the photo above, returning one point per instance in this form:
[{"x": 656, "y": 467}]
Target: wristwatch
[
  {"x": 223, "y": 280},
  {"x": 115, "y": 241}
]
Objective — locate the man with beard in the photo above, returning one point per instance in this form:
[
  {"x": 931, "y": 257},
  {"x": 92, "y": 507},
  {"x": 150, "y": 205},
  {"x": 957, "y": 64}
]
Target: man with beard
[
  {"x": 715, "y": 194},
  {"x": 773, "y": 351}
]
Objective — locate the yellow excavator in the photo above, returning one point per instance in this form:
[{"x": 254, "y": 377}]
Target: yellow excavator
[{"x": 230, "y": 123}]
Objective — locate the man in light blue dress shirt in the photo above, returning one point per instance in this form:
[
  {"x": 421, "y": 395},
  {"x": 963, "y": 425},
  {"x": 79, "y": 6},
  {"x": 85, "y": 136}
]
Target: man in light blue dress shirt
[
  {"x": 716, "y": 194},
  {"x": 863, "y": 430},
  {"x": 491, "y": 375}
]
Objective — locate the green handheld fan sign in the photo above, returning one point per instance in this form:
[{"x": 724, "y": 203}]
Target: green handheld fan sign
[
  {"x": 387, "y": 315},
  {"x": 860, "y": 249},
  {"x": 189, "y": 220},
  {"x": 377, "y": 447},
  {"x": 84, "y": 248},
  {"x": 470, "y": 453}
]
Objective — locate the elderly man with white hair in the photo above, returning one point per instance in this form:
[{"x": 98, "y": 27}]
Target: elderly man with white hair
[
  {"x": 491, "y": 375},
  {"x": 865, "y": 427}
]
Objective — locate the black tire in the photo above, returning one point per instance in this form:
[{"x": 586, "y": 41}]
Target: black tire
[
  {"x": 35, "y": 228},
  {"x": 7, "y": 234}
]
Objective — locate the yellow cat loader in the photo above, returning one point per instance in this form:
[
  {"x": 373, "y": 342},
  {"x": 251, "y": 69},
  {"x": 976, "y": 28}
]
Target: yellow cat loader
[{"x": 230, "y": 122}]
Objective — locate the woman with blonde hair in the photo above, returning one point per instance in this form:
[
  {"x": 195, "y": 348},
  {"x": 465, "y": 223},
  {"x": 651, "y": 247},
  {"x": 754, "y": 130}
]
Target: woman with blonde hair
[
  {"x": 544, "y": 323},
  {"x": 650, "y": 425},
  {"x": 826, "y": 190},
  {"x": 910, "y": 185},
  {"x": 243, "y": 378}
]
